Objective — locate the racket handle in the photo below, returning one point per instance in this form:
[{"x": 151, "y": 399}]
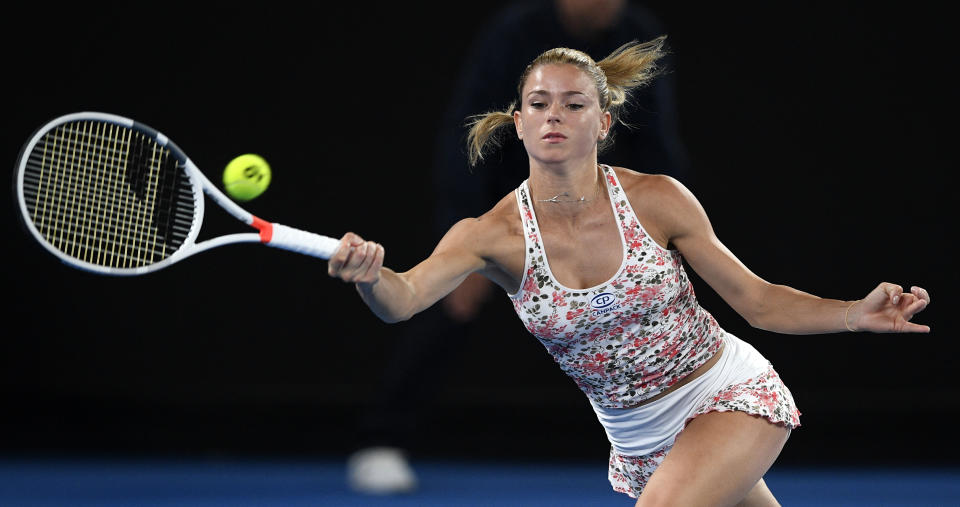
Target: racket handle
[{"x": 302, "y": 242}]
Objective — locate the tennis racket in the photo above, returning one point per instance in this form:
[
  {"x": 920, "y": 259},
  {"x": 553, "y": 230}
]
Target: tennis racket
[{"x": 110, "y": 195}]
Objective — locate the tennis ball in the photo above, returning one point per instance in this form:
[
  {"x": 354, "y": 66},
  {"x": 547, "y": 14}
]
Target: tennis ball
[{"x": 246, "y": 177}]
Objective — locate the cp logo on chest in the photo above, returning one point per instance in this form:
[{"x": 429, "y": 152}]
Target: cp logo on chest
[
  {"x": 604, "y": 303},
  {"x": 601, "y": 301}
]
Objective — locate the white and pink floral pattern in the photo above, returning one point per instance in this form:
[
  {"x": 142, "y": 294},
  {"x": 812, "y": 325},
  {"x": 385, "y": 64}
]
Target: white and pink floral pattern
[
  {"x": 632, "y": 337},
  {"x": 629, "y": 338},
  {"x": 764, "y": 395}
]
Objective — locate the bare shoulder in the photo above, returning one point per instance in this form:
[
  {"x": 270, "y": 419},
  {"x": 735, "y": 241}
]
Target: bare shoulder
[
  {"x": 662, "y": 203},
  {"x": 652, "y": 188},
  {"x": 504, "y": 212},
  {"x": 496, "y": 237},
  {"x": 490, "y": 233}
]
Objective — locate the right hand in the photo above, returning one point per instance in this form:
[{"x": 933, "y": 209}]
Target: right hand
[{"x": 356, "y": 260}]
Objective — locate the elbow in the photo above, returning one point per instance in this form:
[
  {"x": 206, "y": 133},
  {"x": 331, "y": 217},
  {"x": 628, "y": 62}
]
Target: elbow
[
  {"x": 758, "y": 322},
  {"x": 758, "y": 310},
  {"x": 754, "y": 318},
  {"x": 391, "y": 315},
  {"x": 396, "y": 315},
  {"x": 758, "y": 315},
  {"x": 394, "y": 319}
]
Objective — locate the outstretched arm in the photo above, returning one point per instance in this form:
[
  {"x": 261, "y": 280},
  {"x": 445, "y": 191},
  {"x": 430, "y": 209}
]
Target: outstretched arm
[
  {"x": 773, "y": 307},
  {"x": 396, "y": 296}
]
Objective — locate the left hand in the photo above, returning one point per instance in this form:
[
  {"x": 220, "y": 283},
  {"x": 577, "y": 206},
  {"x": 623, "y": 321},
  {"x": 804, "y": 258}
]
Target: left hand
[{"x": 887, "y": 309}]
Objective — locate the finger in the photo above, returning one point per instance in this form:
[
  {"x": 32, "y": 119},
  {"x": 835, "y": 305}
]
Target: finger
[
  {"x": 373, "y": 272},
  {"x": 336, "y": 261},
  {"x": 351, "y": 240},
  {"x": 369, "y": 256},
  {"x": 893, "y": 292},
  {"x": 341, "y": 255},
  {"x": 341, "y": 263},
  {"x": 914, "y": 308},
  {"x": 921, "y": 293},
  {"x": 355, "y": 265},
  {"x": 907, "y": 299},
  {"x": 910, "y": 327},
  {"x": 355, "y": 240}
]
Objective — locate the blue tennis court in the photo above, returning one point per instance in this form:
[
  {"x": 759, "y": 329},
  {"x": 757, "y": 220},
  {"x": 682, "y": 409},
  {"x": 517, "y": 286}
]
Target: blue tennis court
[{"x": 131, "y": 482}]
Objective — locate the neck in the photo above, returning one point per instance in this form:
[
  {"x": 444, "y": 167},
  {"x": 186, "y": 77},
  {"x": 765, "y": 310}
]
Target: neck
[{"x": 565, "y": 187}]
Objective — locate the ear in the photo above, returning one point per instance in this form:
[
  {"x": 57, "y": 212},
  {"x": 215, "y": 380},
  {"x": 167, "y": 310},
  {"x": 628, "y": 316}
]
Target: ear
[
  {"x": 606, "y": 120},
  {"x": 518, "y": 124}
]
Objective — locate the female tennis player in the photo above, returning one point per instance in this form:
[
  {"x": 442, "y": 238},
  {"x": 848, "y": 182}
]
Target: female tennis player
[{"x": 590, "y": 256}]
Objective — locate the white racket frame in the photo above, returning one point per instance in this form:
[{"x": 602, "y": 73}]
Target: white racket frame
[{"x": 271, "y": 234}]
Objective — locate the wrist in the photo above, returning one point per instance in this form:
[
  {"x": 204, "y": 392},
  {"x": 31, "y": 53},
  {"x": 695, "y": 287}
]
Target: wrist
[{"x": 846, "y": 317}]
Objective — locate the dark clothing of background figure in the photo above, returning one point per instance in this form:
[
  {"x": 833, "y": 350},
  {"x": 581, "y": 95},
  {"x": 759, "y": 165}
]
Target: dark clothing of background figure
[{"x": 517, "y": 34}]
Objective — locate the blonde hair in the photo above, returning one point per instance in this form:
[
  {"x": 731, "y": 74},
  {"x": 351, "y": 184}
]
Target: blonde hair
[{"x": 631, "y": 66}]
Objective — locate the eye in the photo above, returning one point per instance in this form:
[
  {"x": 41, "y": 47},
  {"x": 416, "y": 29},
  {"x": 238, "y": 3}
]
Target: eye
[
  {"x": 538, "y": 105},
  {"x": 575, "y": 107}
]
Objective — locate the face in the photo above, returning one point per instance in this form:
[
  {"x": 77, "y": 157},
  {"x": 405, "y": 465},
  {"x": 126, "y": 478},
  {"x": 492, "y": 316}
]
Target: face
[{"x": 560, "y": 117}]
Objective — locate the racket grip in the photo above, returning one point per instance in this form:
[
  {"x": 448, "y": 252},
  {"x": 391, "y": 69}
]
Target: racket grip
[{"x": 302, "y": 242}]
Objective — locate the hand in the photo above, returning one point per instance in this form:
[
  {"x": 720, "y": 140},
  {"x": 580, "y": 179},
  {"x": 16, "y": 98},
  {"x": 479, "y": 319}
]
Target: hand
[
  {"x": 356, "y": 260},
  {"x": 887, "y": 309}
]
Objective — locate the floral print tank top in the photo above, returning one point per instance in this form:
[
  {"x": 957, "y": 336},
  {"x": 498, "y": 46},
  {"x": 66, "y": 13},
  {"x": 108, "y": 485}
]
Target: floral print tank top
[{"x": 629, "y": 338}]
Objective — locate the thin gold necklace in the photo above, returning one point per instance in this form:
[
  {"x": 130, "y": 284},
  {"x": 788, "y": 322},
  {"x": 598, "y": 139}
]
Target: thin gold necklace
[{"x": 583, "y": 198}]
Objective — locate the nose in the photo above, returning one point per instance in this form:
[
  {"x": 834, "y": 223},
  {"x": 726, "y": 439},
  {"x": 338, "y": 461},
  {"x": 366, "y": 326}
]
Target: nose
[{"x": 553, "y": 112}]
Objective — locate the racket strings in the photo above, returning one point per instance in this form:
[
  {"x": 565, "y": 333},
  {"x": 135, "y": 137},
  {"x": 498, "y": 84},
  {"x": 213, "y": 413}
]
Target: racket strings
[{"x": 108, "y": 195}]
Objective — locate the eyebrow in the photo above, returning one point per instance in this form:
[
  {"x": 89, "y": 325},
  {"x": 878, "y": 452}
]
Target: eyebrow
[{"x": 566, "y": 94}]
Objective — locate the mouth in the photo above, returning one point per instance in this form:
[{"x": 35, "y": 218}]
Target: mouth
[{"x": 554, "y": 137}]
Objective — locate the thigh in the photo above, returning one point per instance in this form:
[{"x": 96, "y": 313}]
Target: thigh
[
  {"x": 759, "y": 496},
  {"x": 716, "y": 460}
]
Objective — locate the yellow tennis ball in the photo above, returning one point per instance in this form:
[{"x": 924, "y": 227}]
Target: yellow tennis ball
[{"x": 246, "y": 177}]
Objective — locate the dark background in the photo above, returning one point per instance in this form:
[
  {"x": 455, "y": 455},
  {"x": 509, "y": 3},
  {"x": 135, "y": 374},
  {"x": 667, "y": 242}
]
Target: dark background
[{"x": 819, "y": 137}]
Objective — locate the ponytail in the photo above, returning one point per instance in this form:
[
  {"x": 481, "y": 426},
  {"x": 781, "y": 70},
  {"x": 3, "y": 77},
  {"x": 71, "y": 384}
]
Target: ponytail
[
  {"x": 629, "y": 67},
  {"x": 485, "y": 130}
]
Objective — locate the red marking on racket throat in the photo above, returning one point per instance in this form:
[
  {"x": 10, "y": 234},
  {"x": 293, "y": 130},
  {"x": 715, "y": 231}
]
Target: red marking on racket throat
[{"x": 265, "y": 228}]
